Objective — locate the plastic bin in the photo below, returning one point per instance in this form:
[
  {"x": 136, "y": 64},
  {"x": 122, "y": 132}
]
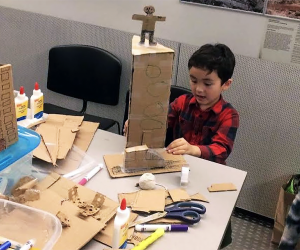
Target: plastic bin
[
  {"x": 21, "y": 223},
  {"x": 16, "y": 160}
]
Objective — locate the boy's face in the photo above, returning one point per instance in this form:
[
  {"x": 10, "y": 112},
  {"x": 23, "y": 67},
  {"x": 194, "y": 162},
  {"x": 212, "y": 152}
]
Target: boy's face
[{"x": 206, "y": 87}]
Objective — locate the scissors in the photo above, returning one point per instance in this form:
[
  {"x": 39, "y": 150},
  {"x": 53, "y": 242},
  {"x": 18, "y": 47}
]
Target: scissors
[{"x": 188, "y": 212}]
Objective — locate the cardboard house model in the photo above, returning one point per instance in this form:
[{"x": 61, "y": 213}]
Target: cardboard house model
[
  {"x": 8, "y": 121},
  {"x": 149, "y": 102}
]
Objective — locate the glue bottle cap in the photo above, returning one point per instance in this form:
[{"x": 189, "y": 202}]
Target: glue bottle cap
[
  {"x": 21, "y": 90},
  {"x": 36, "y": 86},
  {"x": 123, "y": 204}
]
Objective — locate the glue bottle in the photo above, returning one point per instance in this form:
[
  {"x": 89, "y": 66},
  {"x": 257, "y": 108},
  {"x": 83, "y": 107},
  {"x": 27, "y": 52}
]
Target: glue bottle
[
  {"x": 120, "y": 234},
  {"x": 37, "y": 102},
  {"x": 21, "y": 105}
]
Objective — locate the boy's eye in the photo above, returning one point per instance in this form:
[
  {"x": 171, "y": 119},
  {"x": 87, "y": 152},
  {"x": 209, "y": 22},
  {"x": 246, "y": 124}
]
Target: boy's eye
[
  {"x": 193, "y": 81},
  {"x": 207, "y": 84}
]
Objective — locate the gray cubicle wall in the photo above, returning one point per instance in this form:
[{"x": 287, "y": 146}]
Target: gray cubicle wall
[
  {"x": 267, "y": 96},
  {"x": 25, "y": 40}
]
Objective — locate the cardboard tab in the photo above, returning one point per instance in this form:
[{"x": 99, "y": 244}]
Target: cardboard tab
[
  {"x": 149, "y": 200},
  {"x": 199, "y": 197},
  {"x": 222, "y": 187}
]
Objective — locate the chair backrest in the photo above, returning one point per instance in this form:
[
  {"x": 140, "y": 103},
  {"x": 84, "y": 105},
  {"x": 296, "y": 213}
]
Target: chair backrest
[{"x": 85, "y": 72}]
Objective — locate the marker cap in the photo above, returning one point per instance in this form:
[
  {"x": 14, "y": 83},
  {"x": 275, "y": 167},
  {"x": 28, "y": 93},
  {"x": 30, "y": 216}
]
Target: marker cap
[{"x": 179, "y": 227}]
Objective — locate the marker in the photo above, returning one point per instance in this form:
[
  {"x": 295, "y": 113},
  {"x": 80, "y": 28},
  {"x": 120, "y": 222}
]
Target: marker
[
  {"x": 5, "y": 245},
  {"x": 14, "y": 244},
  {"x": 90, "y": 174},
  {"x": 149, "y": 240},
  {"x": 167, "y": 228},
  {"x": 28, "y": 245}
]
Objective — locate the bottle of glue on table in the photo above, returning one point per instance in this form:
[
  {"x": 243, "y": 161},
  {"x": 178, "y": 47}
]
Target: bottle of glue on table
[
  {"x": 37, "y": 102},
  {"x": 121, "y": 226},
  {"x": 21, "y": 104}
]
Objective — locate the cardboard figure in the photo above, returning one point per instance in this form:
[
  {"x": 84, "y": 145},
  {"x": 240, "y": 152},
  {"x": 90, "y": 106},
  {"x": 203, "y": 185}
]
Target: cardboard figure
[{"x": 148, "y": 24}]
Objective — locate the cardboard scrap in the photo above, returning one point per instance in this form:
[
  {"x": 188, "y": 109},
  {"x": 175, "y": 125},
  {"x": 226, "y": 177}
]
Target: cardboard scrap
[
  {"x": 54, "y": 198},
  {"x": 140, "y": 157},
  {"x": 149, "y": 200},
  {"x": 114, "y": 164},
  {"x": 222, "y": 187},
  {"x": 199, "y": 197},
  {"x": 179, "y": 195},
  {"x": 136, "y": 238},
  {"x": 106, "y": 234},
  {"x": 8, "y": 121},
  {"x": 130, "y": 198},
  {"x": 58, "y": 132}
]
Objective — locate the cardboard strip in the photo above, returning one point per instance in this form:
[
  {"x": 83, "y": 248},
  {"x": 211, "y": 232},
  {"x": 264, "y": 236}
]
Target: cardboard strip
[
  {"x": 149, "y": 200},
  {"x": 222, "y": 187}
]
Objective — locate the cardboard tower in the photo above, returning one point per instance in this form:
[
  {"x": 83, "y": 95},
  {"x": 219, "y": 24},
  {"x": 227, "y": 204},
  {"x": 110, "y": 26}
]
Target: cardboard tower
[{"x": 149, "y": 102}]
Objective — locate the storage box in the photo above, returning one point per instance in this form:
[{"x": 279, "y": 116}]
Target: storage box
[
  {"x": 8, "y": 121},
  {"x": 21, "y": 223},
  {"x": 16, "y": 160}
]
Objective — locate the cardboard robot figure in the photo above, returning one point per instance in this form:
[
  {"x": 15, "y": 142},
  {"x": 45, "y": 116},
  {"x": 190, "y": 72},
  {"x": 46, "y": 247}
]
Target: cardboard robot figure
[{"x": 148, "y": 24}]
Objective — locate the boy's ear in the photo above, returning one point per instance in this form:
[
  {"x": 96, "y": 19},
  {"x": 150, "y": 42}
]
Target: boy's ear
[{"x": 226, "y": 84}]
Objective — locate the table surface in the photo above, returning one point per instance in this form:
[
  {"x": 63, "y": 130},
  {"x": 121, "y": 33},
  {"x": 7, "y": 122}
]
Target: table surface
[{"x": 208, "y": 233}]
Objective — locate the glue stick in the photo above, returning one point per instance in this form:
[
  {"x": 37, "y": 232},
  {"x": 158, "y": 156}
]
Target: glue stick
[
  {"x": 21, "y": 104},
  {"x": 120, "y": 234},
  {"x": 37, "y": 102}
]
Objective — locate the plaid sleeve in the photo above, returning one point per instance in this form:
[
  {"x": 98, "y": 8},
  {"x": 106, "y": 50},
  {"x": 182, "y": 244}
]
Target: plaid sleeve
[
  {"x": 291, "y": 231},
  {"x": 174, "y": 109},
  {"x": 222, "y": 142}
]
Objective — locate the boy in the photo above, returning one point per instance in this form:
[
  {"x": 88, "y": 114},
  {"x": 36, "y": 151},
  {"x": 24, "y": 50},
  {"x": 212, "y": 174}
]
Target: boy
[
  {"x": 291, "y": 231},
  {"x": 204, "y": 124}
]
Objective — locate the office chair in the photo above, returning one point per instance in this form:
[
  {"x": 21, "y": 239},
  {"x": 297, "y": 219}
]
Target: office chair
[
  {"x": 175, "y": 92},
  {"x": 87, "y": 73}
]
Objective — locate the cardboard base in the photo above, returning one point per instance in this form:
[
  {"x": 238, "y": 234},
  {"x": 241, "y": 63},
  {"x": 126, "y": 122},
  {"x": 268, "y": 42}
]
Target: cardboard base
[{"x": 115, "y": 162}]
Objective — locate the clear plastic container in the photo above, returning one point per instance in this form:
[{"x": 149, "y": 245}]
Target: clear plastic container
[
  {"x": 21, "y": 223},
  {"x": 16, "y": 160}
]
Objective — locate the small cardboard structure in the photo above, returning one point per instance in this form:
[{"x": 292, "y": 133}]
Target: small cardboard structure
[
  {"x": 149, "y": 102},
  {"x": 8, "y": 121},
  {"x": 54, "y": 199}
]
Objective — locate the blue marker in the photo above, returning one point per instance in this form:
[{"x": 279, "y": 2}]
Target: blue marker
[{"x": 5, "y": 245}]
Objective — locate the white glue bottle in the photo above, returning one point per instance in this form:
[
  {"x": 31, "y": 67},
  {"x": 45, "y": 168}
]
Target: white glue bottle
[
  {"x": 37, "y": 102},
  {"x": 120, "y": 234},
  {"x": 21, "y": 104}
]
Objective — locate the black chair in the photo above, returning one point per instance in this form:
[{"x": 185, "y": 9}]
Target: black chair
[
  {"x": 176, "y": 91},
  {"x": 87, "y": 73}
]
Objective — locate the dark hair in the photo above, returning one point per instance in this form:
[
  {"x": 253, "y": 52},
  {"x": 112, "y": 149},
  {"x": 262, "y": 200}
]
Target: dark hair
[{"x": 216, "y": 57}]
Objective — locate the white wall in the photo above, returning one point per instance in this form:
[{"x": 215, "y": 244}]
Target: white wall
[{"x": 186, "y": 23}]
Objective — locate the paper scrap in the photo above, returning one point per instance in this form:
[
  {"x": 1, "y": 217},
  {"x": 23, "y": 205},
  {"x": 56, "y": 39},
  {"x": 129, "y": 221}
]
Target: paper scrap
[{"x": 149, "y": 200}]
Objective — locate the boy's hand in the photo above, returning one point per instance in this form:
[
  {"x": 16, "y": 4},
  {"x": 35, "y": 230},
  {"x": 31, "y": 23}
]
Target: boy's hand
[
  {"x": 125, "y": 129},
  {"x": 181, "y": 146}
]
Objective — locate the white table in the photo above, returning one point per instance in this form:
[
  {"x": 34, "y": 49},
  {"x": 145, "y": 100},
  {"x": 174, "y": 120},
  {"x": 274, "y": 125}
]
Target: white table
[{"x": 208, "y": 233}]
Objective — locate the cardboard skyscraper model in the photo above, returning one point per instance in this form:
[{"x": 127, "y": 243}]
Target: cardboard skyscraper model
[
  {"x": 148, "y": 108},
  {"x": 8, "y": 121}
]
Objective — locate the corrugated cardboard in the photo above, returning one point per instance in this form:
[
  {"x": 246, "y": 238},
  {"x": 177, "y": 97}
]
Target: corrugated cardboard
[
  {"x": 114, "y": 164},
  {"x": 179, "y": 195},
  {"x": 149, "y": 201},
  {"x": 8, "y": 120},
  {"x": 150, "y": 92},
  {"x": 220, "y": 187},
  {"x": 54, "y": 198},
  {"x": 58, "y": 133}
]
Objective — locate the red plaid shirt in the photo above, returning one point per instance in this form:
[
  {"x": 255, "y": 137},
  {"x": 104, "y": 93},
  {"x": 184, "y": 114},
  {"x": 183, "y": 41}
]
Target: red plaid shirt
[{"x": 212, "y": 130}]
